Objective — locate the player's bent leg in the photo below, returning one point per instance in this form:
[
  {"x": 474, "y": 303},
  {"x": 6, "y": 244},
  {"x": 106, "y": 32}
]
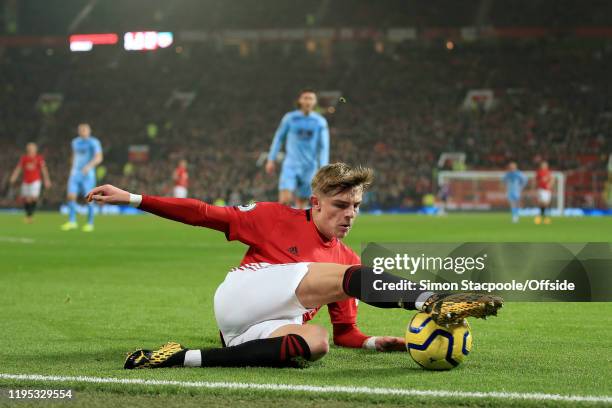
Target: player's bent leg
[
  {"x": 328, "y": 283},
  {"x": 321, "y": 285},
  {"x": 290, "y": 351},
  {"x": 316, "y": 337},
  {"x": 267, "y": 301}
]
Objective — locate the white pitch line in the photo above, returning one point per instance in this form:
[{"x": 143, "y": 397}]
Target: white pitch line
[
  {"x": 316, "y": 389},
  {"x": 17, "y": 240}
]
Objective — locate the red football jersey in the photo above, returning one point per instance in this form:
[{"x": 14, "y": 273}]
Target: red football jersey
[
  {"x": 279, "y": 234},
  {"x": 275, "y": 234},
  {"x": 31, "y": 167},
  {"x": 543, "y": 179},
  {"x": 181, "y": 177}
]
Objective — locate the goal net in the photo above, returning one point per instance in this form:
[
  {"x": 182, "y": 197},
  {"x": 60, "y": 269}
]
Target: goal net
[{"x": 485, "y": 190}]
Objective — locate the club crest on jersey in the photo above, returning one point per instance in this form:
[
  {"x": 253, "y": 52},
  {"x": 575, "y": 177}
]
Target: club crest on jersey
[{"x": 247, "y": 207}]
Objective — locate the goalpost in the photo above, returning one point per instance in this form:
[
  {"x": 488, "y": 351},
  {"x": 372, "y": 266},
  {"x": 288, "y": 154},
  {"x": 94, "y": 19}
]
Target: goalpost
[{"x": 485, "y": 190}]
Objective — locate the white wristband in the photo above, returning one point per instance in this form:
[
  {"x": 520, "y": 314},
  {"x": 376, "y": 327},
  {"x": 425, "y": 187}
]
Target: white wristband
[
  {"x": 370, "y": 343},
  {"x": 135, "y": 200}
]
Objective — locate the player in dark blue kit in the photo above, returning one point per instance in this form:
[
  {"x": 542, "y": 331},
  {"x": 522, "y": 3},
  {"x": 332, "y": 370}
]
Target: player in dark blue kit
[
  {"x": 306, "y": 137},
  {"x": 86, "y": 155}
]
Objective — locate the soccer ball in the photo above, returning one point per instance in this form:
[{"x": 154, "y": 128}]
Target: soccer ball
[{"x": 435, "y": 347}]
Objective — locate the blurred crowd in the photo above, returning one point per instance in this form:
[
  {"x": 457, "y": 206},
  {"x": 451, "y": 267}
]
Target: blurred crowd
[
  {"x": 403, "y": 109},
  {"x": 117, "y": 15}
]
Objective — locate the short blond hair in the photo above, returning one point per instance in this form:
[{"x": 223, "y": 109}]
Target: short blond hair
[{"x": 338, "y": 177}]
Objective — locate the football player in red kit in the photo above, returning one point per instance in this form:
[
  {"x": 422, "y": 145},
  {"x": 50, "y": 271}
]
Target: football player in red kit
[
  {"x": 181, "y": 179},
  {"x": 33, "y": 166},
  {"x": 544, "y": 182},
  {"x": 296, "y": 262}
]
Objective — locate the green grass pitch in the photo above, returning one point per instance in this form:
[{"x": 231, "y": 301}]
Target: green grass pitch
[{"x": 72, "y": 304}]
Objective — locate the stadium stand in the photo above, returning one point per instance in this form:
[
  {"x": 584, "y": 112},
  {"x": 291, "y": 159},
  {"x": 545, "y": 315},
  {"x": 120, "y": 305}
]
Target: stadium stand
[{"x": 398, "y": 119}]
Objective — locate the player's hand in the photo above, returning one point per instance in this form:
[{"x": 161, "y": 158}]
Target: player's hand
[
  {"x": 270, "y": 167},
  {"x": 388, "y": 343},
  {"x": 48, "y": 184},
  {"x": 108, "y": 194},
  {"x": 85, "y": 170}
]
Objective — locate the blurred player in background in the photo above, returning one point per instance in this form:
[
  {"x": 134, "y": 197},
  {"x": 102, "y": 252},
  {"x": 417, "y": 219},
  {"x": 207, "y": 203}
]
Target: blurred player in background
[
  {"x": 515, "y": 182},
  {"x": 443, "y": 194},
  {"x": 306, "y": 137},
  {"x": 181, "y": 179},
  {"x": 33, "y": 166},
  {"x": 544, "y": 182},
  {"x": 86, "y": 155}
]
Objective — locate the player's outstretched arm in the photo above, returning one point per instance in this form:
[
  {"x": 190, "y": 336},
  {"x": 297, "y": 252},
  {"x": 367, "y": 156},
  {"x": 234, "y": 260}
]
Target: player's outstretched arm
[
  {"x": 348, "y": 335},
  {"x": 185, "y": 210},
  {"x": 343, "y": 316}
]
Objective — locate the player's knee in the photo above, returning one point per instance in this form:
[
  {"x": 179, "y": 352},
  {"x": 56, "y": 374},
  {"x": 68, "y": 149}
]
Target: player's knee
[{"x": 318, "y": 342}]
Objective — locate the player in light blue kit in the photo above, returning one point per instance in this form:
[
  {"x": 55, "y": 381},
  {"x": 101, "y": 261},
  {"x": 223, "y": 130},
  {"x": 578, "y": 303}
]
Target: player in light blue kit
[
  {"x": 515, "y": 182},
  {"x": 86, "y": 155},
  {"x": 306, "y": 137}
]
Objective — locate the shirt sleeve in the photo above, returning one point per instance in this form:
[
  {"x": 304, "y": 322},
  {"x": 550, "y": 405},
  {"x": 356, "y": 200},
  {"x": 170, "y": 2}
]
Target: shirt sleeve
[
  {"x": 188, "y": 211},
  {"x": 21, "y": 162},
  {"x": 345, "y": 312},
  {"x": 97, "y": 146},
  {"x": 279, "y": 138},
  {"x": 251, "y": 223},
  {"x": 344, "y": 318},
  {"x": 349, "y": 335}
]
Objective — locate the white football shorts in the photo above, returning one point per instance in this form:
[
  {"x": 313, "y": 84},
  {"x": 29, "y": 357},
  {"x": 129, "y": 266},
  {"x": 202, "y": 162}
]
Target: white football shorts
[
  {"x": 544, "y": 196},
  {"x": 255, "y": 300},
  {"x": 180, "y": 192},
  {"x": 30, "y": 190}
]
